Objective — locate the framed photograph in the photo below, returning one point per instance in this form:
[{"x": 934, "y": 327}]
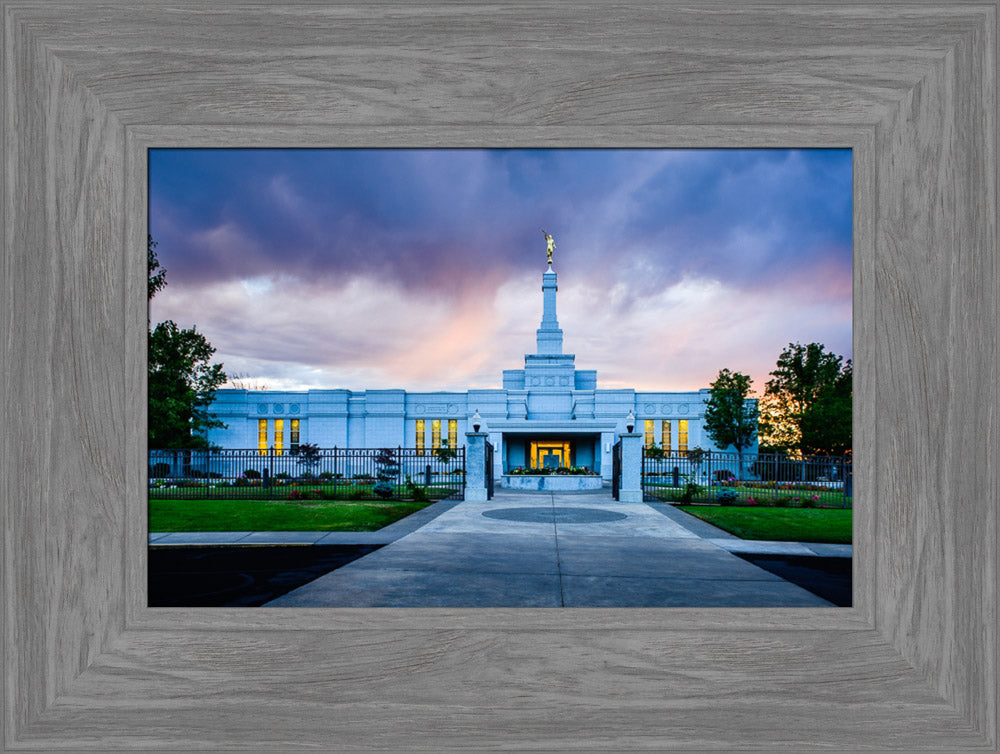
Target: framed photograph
[
  {"x": 331, "y": 328},
  {"x": 89, "y": 88}
]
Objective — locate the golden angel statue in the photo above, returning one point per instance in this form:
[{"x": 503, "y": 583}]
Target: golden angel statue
[{"x": 550, "y": 245}]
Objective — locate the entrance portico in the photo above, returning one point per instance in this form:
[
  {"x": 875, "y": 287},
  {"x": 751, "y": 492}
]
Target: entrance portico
[{"x": 535, "y": 444}]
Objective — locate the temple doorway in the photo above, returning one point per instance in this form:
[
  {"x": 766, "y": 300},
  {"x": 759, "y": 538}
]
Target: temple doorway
[{"x": 550, "y": 454}]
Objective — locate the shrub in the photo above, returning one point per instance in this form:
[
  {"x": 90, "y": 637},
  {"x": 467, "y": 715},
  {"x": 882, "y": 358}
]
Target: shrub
[
  {"x": 416, "y": 491},
  {"x": 160, "y": 469},
  {"x": 691, "y": 490},
  {"x": 251, "y": 474},
  {"x": 328, "y": 475},
  {"x": 727, "y": 497},
  {"x": 384, "y": 490}
]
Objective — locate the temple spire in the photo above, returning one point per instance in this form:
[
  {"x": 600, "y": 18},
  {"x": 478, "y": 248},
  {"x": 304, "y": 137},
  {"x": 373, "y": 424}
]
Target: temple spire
[{"x": 549, "y": 336}]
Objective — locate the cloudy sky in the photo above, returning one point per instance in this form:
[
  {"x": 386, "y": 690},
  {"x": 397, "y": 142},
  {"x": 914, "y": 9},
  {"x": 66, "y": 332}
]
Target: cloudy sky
[{"x": 421, "y": 269}]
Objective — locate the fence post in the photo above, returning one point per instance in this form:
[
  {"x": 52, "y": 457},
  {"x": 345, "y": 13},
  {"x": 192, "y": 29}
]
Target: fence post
[
  {"x": 475, "y": 466},
  {"x": 777, "y": 464},
  {"x": 711, "y": 476},
  {"x": 630, "y": 490},
  {"x": 848, "y": 474}
]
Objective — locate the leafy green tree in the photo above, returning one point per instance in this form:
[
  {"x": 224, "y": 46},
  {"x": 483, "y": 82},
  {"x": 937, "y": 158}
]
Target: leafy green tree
[
  {"x": 809, "y": 401},
  {"x": 182, "y": 381},
  {"x": 776, "y": 432},
  {"x": 730, "y": 418},
  {"x": 182, "y": 385},
  {"x": 826, "y": 424}
]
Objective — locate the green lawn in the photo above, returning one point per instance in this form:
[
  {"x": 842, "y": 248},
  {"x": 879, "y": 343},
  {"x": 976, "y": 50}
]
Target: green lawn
[
  {"x": 781, "y": 524},
  {"x": 276, "y": 515}
]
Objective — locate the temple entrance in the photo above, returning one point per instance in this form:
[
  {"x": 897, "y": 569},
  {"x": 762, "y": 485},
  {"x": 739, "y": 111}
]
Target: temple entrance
[
  {"x": 550, "y": 455},
  {"x": 523, "y": 452}
]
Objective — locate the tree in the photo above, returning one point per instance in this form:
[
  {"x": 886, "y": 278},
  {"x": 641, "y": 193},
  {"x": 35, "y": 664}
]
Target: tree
[
  {"x": 182, "y": 385},
  {"x": 243, "y": 381},
  {"x": 387, "y": 472},
  {"x": 157, "y": 275},
  {"x": 809, "y": 401},
  {"x": 777, "y": 433},
  {"x": 444, "y": 453},
  {"x": 309, "y": 456},
  {"x": 827, "y": 422},
  {"x": 182, "y": 382},
  {"x": 731, "y": 419}
]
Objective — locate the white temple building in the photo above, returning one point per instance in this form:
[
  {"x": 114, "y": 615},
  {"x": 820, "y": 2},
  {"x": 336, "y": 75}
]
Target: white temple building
[{"x": 546, "y": 413}]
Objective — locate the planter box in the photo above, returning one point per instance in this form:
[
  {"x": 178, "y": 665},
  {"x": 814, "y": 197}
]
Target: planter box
[{"x": 550, "y": 482}]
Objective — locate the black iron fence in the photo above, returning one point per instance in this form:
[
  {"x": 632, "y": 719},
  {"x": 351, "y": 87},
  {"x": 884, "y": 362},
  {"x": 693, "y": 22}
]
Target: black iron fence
[
  {"x": 489, "y": 469},
  {"x": 771, "y": 479},
  {"x": 330, "y": 473},
  {"x": 616, "y": 470}
]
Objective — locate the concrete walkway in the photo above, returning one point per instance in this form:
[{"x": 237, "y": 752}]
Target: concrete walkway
[{"x": 543, "y": 550}]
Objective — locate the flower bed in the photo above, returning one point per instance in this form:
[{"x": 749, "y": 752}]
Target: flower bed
[
  {"x": 562, "y": 470},
  {"x": 551, "y": 480}
]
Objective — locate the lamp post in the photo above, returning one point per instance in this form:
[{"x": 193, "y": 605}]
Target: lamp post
[
  {"x": 477, "y": 421},
  {"x": 630, "y": 422}
]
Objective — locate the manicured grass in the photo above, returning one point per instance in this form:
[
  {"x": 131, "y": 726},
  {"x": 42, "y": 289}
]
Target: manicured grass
[
  {"x": 276, "y": 515},
  {"x": 781, "y": 524}
]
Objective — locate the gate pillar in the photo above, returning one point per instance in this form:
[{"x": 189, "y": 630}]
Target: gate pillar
[
  {"x": 475, "y": 466},
  {"x": 630, "y": 489}
]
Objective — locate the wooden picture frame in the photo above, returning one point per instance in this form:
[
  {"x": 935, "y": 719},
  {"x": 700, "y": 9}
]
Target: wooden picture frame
[{"x": 911, "y": 87}]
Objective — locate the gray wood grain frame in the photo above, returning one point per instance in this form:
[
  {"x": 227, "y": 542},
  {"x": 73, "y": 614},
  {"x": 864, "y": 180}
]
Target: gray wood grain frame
[{"x": 88, "y": 87}]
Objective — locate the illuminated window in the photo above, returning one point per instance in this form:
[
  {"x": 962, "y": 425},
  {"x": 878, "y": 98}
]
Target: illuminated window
[
  {"x": 649, "y": 432},
  {"x": 279, "y": 436},
  {"x": 435, "y": 433},
  {"x": 665, "y": 439},
  {"x": 262, "y": 436},
  {"x": 420, "y": 436},
  {"x": 682, "y": 436},
  {"x": 293, "y": 437},
  {"x": 453, "y": 433}
]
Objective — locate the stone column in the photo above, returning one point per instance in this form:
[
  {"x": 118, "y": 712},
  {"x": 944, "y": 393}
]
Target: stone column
[
  {"x": 630, "y": 490},
  {"x": 475, "y": 466}
]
